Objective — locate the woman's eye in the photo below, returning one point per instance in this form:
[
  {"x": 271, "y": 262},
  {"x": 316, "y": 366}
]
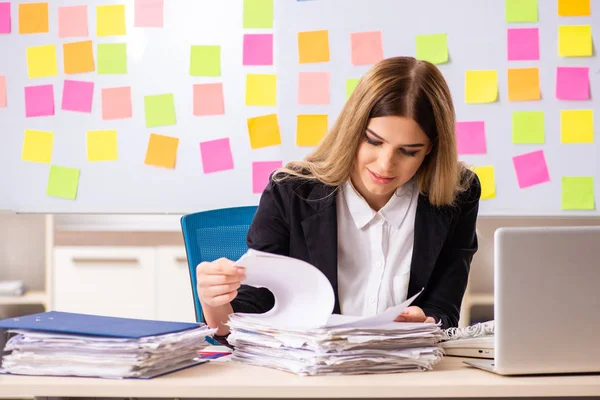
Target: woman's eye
[
  {"x": 370, "y": 141},
  {"x": 408, "y": 152}
]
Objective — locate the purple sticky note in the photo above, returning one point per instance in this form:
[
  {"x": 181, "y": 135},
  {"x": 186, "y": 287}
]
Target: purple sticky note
[
  {"x": 77, "y": 96},
  {"x": 531, "y": 168},
  {"x": 261, "y": 171},
  {"x": 4, "y": 17},
  {"x": 573, "y": 83},
  {"x": 523, "y": 44},
  {"x": 39, "y": 101},
  {"x": 216, "y": 155},
  {"x": 258, "y": 49},
  {"x": 470, "y": 137}
]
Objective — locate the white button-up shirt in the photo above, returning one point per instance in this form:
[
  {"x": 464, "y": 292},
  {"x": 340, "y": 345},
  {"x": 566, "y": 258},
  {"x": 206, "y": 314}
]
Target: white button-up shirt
[{"x": 374, "y": 250}]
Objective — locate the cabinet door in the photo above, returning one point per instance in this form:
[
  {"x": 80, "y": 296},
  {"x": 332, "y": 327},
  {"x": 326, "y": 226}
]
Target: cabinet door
[
  {"x": 174, "y": 299},
  {"x": 112, "y": 281}
]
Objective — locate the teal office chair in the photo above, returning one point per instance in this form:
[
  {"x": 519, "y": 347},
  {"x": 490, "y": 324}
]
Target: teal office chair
[{"x": 209, "y": 235}]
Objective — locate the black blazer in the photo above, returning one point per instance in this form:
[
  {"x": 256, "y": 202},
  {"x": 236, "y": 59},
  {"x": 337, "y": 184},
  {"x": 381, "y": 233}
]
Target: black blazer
[{"x": 297, "y": 218}]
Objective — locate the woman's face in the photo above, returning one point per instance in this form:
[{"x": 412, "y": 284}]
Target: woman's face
[{"x": 389, "y": 155}]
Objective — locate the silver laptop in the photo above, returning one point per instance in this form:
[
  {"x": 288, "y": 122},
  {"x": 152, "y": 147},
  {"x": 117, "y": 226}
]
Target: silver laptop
[{"x": 546, "y": 301}]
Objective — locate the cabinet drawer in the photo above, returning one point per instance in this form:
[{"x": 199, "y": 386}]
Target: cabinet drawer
[{"x": 174, "y": 299}]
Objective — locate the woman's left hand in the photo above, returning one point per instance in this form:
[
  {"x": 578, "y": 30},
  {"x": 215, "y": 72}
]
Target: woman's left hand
[{"x": 414, "y": 314}]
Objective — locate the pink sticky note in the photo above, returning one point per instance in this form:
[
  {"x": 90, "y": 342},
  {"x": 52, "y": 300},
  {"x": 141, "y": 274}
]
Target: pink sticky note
[
  {"x": 77, "y": 96},
  {"x": 208, "y": 99},
  {"x": 216, "y": 155},
  {"x": 313, "y": 88},
  {"x": 258, "y": 49},
  {"x": 367, "y": 47},
  {"x": 72, "y": 21},
  {"x": 39, "y": 101},
  {"x": 116, "y": 103},
  {"x": 4, "y": 17},
  {"x": 149, "y": 13},
  {"x": 470, "y": 137},
  {"x": 531, "y": 168},
  {"x": 523, "y": 44},
  {"x": 2, "y": 91},
  {"x": 261, "y": 171},
  {"x": 573, "y": 83}
]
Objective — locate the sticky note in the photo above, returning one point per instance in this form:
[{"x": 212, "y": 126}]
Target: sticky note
[
  {"x": 531, "y": 168},
  {"x": 116, "y": 103},
  {"x": 112, "y": 58},
  {"x": 2, "y": 91},
  {"x": 264, "y": 131},
  {"x": 33, "y": 18},
  {"x": 39, "y": 101},
  {"x": 528, "y": 127},
  {"x": 261, "y": 172},
  {"x": 313, "y": 88},
  {"x": 110, "y": 20},
  {"x": 78, "y": 57},
  {"x": 258, "y": 49},
  {"x": 77, "y": 96},
  {"x": 261, "y": 89},
  {"x": 162, "y": 151},
  {"x": 41, "y": 61},
  {"x": 366, "y": 48},
  {"x": 72, "y": 21},
  {"x": 5, "y": 25},
  {"x": 63, "y": 182},
  {"x": 205, "y": 61},
  {"x": 575, "y": 41},
  {"x": 258, "y": 14},
  {"x": 432, "y": 48},
  {"x": 523, "y": 84},
  {"x": 470, "y": 137},
  {"x": 577, "y": 126},
  {"x": 481, "y": 86},
  {"x": 310, "y": 129},
  {"x": 574, "y": 8},
  {"x": 487, "y": 179},
  {"x": 351, "y": 84},
  {"x": 578, "y": 193},
  {"x": 160, "y": 110},
  {"x": 148, "y": 13},
  {"x": 208, "y": 99},
  {"x": 313, "y": 47},
  {"x": 216, "y": 155},
  {"x": 573, "y": 83},
  {"x": 102, "y": 145},
  {"x": 521, "y": 10},
  {"x": 37, "y": 146},
  {"x": 523, "y": 44}
]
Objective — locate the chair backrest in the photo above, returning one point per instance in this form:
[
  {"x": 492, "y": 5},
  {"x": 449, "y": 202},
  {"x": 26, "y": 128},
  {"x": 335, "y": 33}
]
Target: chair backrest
[{"x": 209, "y": 235}]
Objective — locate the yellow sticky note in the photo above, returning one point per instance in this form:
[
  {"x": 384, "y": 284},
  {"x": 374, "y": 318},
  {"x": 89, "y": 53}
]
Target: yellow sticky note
[
  {"x": 264, "y": 131},
  {"x": 523, "y": 84},
  {"x": 261, "y": 90},
  {"x": 78, "y": 57},
  {"x": 487, "y": 178},
  {"x": 574, "y": 8},
  {"x": 101, "y": 145},
  {"x": 33, "y": 18},
  {"x": 575, "y": 41},
  {"x": 310, "y": 129},
  {"x": 37, "y": 146},
  {"x": 313, "y": 46},
  {"x": 110, "y": 20},
  {"x": 41, "y": 61},
  {"x": 577, "y": 126},
  {"x": 481, "y": 86},
  {"x": 162, "y": 151}
]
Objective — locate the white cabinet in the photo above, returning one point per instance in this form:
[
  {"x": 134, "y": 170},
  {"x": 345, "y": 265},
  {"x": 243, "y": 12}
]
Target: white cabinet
[{"x": 174, "y": 299}]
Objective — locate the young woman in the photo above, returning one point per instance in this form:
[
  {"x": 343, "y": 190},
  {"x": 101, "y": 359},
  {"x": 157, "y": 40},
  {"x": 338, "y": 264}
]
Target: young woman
[{"x": 382, "y": 207}]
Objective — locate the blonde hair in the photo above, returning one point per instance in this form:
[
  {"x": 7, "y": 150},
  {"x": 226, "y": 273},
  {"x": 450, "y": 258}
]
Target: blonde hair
[{"x": 398, "y": 86}]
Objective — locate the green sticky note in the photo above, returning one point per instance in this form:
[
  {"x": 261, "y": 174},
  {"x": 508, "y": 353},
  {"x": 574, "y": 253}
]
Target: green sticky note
[
  {"x": 432, "y": 48},
  {"x": 258, "y": 14},
  {"x": 528, "y": 127},
  {"x": 160, "y": 110},
  {"x": 112, "y": 58},
  {"x": 205, "y": 61},
  {"x": 63, "y": 182},
  {"x": 521, "y": 10},
  {"x": 578, "y": 193},
  {"x": 351, "y": 85}
]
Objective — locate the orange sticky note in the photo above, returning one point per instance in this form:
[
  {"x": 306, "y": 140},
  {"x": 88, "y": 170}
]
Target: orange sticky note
[
  {"x": 264, "y": 131},
  {"x": 313, "y": 46},
  {"x": 78, "y": 57},
  {"x": 523, "y": 84},
  {"x": 310, "y": 129},
  {"x": 574, "y": 8},
  {"x": 162, "y": 151},
  {"x": 33, "y": 18}
]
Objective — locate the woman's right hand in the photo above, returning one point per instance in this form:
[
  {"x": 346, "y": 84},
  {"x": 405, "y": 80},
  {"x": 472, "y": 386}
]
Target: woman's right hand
[{"x": 218, "y": 282}]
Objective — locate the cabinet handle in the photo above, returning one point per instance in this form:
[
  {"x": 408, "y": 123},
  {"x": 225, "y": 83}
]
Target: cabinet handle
[
  {"x": 91, "y": 260},
  {"x": 181, "y": 259}
]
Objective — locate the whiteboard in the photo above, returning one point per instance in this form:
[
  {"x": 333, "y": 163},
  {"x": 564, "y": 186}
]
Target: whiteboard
[{"x": 159, "y": 61}]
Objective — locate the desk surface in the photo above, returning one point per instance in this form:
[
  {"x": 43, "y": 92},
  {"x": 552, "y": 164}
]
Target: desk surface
[{"x": 450, "y": 378}]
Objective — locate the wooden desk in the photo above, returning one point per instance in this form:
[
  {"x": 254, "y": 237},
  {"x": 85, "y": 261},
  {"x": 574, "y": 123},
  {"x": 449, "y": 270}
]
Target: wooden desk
[{"x": 450, "y": 379}]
